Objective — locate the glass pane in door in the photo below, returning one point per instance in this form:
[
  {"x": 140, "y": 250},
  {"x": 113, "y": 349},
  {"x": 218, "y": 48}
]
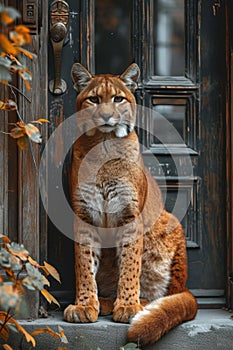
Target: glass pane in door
[
  {"x": 169, "y": 124},
  {"x": 112, "y": 35},
  {"x": 169, "y": 37}
]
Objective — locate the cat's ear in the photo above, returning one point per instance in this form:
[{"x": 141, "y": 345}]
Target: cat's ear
[
  {"x": 130, "y": 76},
  {"x": 81, "y": 77}
]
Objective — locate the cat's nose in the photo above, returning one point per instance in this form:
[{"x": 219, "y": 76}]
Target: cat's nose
[{"x": 105, "y": 116}]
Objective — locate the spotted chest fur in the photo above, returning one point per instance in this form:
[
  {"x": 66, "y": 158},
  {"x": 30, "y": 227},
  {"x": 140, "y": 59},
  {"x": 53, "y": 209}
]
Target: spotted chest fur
[{"x": 129, "y": 251}]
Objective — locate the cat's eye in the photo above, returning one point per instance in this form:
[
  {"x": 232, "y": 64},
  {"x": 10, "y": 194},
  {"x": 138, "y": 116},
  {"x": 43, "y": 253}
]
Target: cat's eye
[
  {"x": 93, "y": 99},
  {"x": 118, "y": 99}
]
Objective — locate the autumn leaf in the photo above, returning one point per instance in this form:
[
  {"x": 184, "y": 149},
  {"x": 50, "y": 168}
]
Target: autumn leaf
[
  {"x": 40, "y": 121},
  {"x": 17, "y": 132},
  {"x": 10, "y": 274},
  {"x": 49, "y": 269},
  {"x": 33, "y": 262},
  {"x": 33, "y": 133},
  {"x": 4, "y": 333},
  {"x": 23, "y": 31},
  {"x": 47, "y": 330},
  {"x": 7, "y": 46},
  {"x": 25, "y": 74},
  {"x": 45, "y": 281},
  {"x": 34, "y": 280},
  {"x": 7, "y": 347},
  {"x": 18, "y": 250},
  {"x": 9, "y": 105},
  {"x": 11, "y": 12},
  {"x": 28, "y": 336},
  {"x": 6, "y": 19},
  {"x": 27, "y": 53},
  {"x": 49, "y": 297},
  {"x": 9, "y": 297},
  {"x": 20, "y": 35},
  {"x": 62, "y": 335},
  {"x": 5, "y": 239},
  {"x": 22, "y": 143},
  {"x": 28, "y": 86}
]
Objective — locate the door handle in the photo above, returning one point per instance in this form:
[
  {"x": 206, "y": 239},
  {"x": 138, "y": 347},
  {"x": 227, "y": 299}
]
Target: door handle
[{"x": 59, "y": 18}]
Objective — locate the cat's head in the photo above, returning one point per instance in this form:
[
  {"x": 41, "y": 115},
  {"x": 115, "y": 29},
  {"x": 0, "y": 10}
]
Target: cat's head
[{"x": 110, "y": 96}]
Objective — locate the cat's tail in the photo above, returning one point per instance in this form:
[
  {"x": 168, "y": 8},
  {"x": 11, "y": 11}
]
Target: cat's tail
[{"x": 160, "y": 316}]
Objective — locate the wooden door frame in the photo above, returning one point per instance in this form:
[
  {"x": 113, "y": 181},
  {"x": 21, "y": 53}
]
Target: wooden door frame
[
  {"x": 23, "y": 197},
  {"x": 229, "y": 154}
]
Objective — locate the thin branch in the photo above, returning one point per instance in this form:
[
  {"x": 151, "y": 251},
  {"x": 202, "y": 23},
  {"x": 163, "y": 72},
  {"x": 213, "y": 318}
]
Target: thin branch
[
  {"x": 20, "y": 92},
  {"x": 32, "y": 154}
]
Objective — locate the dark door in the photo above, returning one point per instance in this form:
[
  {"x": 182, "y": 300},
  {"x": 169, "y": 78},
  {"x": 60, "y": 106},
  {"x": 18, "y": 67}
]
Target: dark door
[{"x": 180, "y": 48}]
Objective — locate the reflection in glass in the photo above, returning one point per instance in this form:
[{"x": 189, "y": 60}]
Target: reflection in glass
[
  {"x": 176, "y": 117},
  {"x": 169, "y": 37},
  {"x": 112, "y": 35}
]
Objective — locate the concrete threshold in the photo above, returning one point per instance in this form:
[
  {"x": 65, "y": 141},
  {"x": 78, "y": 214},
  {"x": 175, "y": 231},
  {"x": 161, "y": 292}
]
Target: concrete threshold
[{"x": 211, "y": 329}]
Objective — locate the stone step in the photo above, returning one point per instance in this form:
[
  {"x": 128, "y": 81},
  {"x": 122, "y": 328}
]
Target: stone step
[{"x": 211, "y": 330}]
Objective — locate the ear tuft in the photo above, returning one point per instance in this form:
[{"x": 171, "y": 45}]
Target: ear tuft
[
  {"x": 130, "y": 76},
  {"x": 81, "y": 77}
]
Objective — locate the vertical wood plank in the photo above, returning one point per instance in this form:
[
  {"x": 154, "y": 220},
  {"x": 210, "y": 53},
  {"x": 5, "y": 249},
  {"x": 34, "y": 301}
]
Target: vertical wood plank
[
  {"x": 30, "y": 223},
  {"x": 229, "y": 155},
  {"x": 3, "y": 169}
]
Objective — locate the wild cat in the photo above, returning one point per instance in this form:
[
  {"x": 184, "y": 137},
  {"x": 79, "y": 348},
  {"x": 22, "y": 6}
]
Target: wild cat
[{"x": 141, "y": 279}]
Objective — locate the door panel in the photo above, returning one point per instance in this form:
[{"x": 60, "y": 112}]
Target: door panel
[{"x": 174, "y": 43}]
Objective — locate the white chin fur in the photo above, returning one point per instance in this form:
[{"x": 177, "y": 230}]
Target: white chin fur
[{"x": 121, "y": 131}]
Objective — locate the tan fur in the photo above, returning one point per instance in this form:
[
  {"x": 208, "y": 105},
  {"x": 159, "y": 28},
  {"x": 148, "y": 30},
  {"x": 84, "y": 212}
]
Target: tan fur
[{"x": 148, "y": 256}]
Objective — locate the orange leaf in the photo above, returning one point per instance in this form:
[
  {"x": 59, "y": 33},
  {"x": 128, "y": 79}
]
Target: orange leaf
[
  {"x": 47, "y": 330},
  {"x": 4, "y": 334},
  {"x": 16, "y": 133},
  {"x": 45, "y": 281},
  {"x": 26, "y": 53},
  {"x": 21, "y": 35},
  {"x": 21, "y": 29},
  {"x": 5, "y": 239},
  {"x": 22, "y": 143},
  {"x": 18, "y": 250},
  {"x": 10, "y": 273},
  {"x": 49, "y": 297},
  {"x": 33, "y": 133},
  {"x": 40, "y": 121},
  {"x": 7, "y": 347},
  {"x": 62, "y": 335},
  {"x": 16, "y": 38},
  {"x": 33, "y": 262},
  {"x": 9, "y": 105},
  {"x": 6, "y": 19},
  {"x": 52, "y": 271},
  {"x": 28, "y": 86},
  {"x": 7, "y": 45},
  {"x": 28, "y": 336}
]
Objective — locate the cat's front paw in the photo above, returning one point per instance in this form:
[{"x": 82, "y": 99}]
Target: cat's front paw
[
  {"x": 81, "y": 314},
  {"x": 124, "y": 313}
]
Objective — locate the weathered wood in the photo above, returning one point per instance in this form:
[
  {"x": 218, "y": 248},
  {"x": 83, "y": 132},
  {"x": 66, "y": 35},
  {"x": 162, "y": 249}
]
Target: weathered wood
[
  {"x": 229, "y": 154},
  {"x": 3, "y": 168},
  {"x": 29, "y": 204}
]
